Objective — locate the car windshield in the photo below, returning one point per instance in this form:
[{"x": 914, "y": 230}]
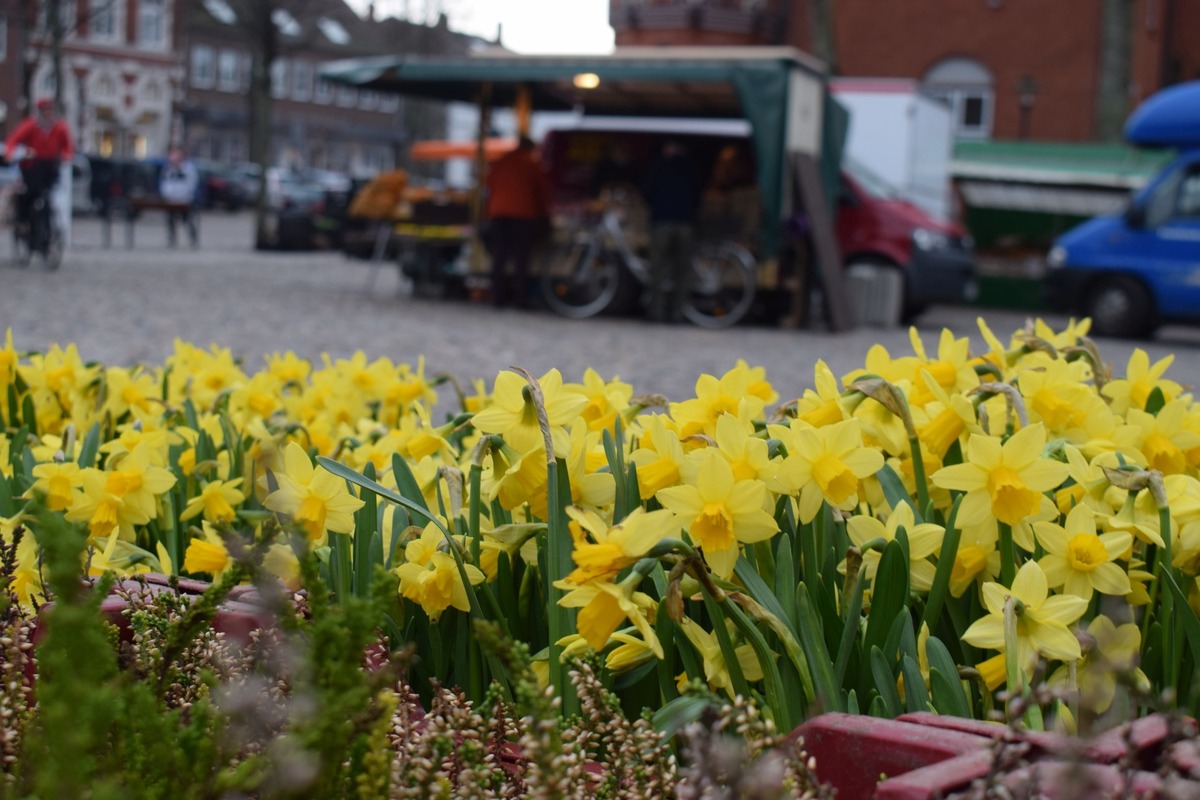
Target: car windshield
[{"x": 870, "y": 183}]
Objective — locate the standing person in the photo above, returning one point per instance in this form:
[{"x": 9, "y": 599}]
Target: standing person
[
  {"x": 47, "y": 144},
  {"x": 672, "y": 192},
  {"x": 177, "y": 185},
  {"x": 518, "y": 206}
]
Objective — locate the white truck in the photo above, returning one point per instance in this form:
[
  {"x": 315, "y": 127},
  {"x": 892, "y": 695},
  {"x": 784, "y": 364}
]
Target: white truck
[{"x": 902, "y": 135}]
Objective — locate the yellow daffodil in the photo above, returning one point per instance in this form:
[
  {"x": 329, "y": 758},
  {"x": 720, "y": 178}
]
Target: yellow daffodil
[
  {"x": 660, "y": 458},
  {"x": 1140, "y": 380},
  {"x": 601, "y": 550},
  {"x": 316, "y": 500},
  {"x": 923, "y": 541},
  {"x": 716, "y": 671},
  {"x": 730, "y": 394},
  {"x": 825, "y": 404},
  {"x": 1004, "y": 480},
  {"x": 951, "y": 370},
  {"x": 1163, "y": 440},
  {"x": 207, "y": 553},
  {"x": 825, "y": 465},
  {"x": 603, "y": 606},
  {"x": 1080, "y": 560},
  {"x": 514, "y": 416},
  {"x": 605, "y": 399},
  {"x": 1041, "y": 620},
  {"x": 1113, "y": 655},
  {"x": 437, "y": 585},
  {"x": 217, "y": 501},
  {"x": 976, "y": 558},
  {"x": 631, "y": 653},
  {"x": 720, "y": 512},
  {"x": 56, "y": 482}
]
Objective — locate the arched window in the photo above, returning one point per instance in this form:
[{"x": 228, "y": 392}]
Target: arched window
[{"x": 967, "y": 86}]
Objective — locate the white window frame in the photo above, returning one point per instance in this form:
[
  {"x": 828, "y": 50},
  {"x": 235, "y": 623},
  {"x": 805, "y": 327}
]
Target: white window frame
[
  {"x": 150, "y": 20},
  {"x": 279, "y": 78},
  {"x": 104, "y": 9},
  {"x": 323, "y": 92},
  {"x": 229, "y": 70},
  {"x": 957, "y": 98},
  {"x": 207, "y": 78},
  {"x": 302, "y": 79}
]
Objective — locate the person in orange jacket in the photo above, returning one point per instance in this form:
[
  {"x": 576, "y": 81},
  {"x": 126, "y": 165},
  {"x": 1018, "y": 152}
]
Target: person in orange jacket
[
  {"x": 47, "y": 144},
  {"x": 517, "y": 207}
]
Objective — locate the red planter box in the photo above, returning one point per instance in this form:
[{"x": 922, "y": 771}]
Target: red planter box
[{"x": 924, "y": 756}]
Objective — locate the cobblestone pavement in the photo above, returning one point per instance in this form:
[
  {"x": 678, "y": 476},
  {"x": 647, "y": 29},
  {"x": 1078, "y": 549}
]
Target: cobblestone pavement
[{"x": 123, "y": 306}]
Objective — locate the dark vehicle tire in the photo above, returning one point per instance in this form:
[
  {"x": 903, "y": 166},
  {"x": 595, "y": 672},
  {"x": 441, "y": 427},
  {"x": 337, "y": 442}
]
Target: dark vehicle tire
[
  {"x": 1121, "y": 307},
  {"x": 579, "y": 279},
  {"x": 721, "y": 285}
]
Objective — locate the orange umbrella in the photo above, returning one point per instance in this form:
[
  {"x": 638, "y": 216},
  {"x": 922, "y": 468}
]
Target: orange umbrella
[{"x": 441, "y": 150}]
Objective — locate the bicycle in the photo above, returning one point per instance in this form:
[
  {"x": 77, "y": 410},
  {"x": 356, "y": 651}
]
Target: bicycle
[
  {"x": 41, "y": 233},
  {"x": 584, "y": 275}
]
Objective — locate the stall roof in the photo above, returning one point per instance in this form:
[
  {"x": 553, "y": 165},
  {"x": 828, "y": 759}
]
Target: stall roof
[{"x": 633, "y": 81}]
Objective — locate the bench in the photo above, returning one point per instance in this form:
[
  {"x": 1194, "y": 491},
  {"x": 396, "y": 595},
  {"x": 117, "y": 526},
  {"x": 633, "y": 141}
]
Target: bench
[{"x": 134, "y": 206}]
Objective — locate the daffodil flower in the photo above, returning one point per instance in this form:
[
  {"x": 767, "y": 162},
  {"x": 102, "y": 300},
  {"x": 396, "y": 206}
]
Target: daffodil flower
[
  {"x": 437, "y": 584},
  {"x": 716, "y": 671},
  {"x": 514, "y": 416},
  {"x": 719, "y": 512},
  {"x": 216, "y": 501},
  {"x": 316, "y": 499},
  {"x": 601, "y": 551},
  {"x": 923, "y": 541},
  {"x": 825, "y": 465},
  {"x": 207, "y": 553},
  {"x": 1004, "y": 480},
  {"x": 1080, "y": 560},
  {"x": 1114, "y": 652},
  {"x": 1141, "y": 378},
  {"x": 604, "y": 605},
  {"x": 1042, "y": 620}
]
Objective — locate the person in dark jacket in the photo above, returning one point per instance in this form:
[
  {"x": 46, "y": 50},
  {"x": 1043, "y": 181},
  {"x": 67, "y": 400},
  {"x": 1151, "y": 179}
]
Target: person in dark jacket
[
  {"x": 517, "y": 208},
  {"x": 672, "y": 192}
]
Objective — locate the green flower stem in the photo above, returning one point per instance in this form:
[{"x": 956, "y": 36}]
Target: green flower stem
[
  {"x": 717, "y": 615},
  {"x": 1008, "y": 555},
  {"x": 1170, "y": 627},
  {"x": 918, "y": 462}
]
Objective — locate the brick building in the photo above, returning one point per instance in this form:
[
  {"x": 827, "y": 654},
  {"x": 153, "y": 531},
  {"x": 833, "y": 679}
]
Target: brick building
[
  {"x": 120, "y": 73},
  {"x": 1010, "y": 68},
  {"x": 315, "y": 123}
]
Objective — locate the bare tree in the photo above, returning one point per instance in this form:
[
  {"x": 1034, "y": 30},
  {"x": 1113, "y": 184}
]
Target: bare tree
[
  {"x": 45, "y": 25},
  {"x": 1112, "y": 85}
]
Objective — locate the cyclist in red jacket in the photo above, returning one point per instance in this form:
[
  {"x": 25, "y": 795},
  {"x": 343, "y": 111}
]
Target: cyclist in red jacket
[{"x": 46, "y": 143}]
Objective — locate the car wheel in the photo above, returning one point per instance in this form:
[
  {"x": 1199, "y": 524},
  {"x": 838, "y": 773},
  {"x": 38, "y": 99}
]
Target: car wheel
[{"x": 1121, "y": 307}]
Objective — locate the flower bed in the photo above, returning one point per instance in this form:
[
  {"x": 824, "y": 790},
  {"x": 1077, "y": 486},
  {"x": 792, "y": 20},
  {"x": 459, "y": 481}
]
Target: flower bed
[{"x": 1013, "y": 532}]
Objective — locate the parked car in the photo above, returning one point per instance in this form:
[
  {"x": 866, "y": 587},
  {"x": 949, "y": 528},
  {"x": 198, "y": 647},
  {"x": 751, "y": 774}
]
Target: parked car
[
  {"x": 114, "y": 181},
  {"x": 1134, "y": 270},
  {"x": 247, "y": 175},
  {"x": 294, "y": 206},
  {"x": 219, "y": 186}
]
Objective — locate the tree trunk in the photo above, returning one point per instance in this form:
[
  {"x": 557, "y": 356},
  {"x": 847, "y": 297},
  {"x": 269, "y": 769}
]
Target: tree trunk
[
  {"x": 1114, "y": 74},
  {"x": 57, "y": 29},
  {"x": 264, "y": 53}
]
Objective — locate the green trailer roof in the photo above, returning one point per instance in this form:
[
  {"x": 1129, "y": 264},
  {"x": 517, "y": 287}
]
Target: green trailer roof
[{"x": 1113, "y": 166}]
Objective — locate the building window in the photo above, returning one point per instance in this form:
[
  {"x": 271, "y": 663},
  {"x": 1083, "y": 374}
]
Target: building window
[
  {"x": 220, "y": 11},
  {"x": 202, "y": 67},
  {"x": 323, "y": 92},
  {"x": 66, "y": 17},
  {"x": 247, "y": 72},
  {"x": 279, "y": 70},
  {"x": 967, "y": 87},
  {"x": 368, "y": 100},
  {"x": 346, "y": 96},
  {"x": 3, "y": 36},
  {"x": 151, "y": 23},
  {"x": 229, "y": 77},
  {"x": 389, "y": 103},
  {"x": 302, "y": 80},
  {"x": 285, "y": 22},
  {"x": 102, "y": 20}
]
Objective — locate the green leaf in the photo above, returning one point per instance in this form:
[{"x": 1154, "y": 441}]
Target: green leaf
[
  {"x": 1155, "y": 401},
  {"x": 851, "y": 627},
  {"x": 945, "y": 566},
  {"x": 786, "y": 580},
  {"x": 894, "y": 491},
  {"x": 948, "y": 695},
  {"x": 366, "y": 530},
  {"x": 885, "y": 683},
  {"x": 817, "y": 655},
  {"x": 915, "y": 696},
  {"x": 679, "y": 713},
  {"x": 406, "y": 482},
  {"x": 1185, "y": 617},
  {"x": 785, "y": 710},
  {"x": 889, "y": 595},
  {"x": 90, "y": 447}
]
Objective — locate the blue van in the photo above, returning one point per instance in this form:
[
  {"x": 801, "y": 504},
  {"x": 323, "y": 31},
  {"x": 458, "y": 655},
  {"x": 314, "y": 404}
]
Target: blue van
[{"x": 1132, "y": 271}]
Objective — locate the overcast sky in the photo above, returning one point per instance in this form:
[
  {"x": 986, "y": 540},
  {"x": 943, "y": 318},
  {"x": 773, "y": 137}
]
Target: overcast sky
[{"x": 529, "y": 26}]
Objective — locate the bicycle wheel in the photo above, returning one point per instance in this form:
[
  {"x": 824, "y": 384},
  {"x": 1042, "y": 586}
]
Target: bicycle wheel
[
  {"x": 579, "y": 279},
  {"x": 52, "y": 250},
  {"x": 721, "y": 287}
]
